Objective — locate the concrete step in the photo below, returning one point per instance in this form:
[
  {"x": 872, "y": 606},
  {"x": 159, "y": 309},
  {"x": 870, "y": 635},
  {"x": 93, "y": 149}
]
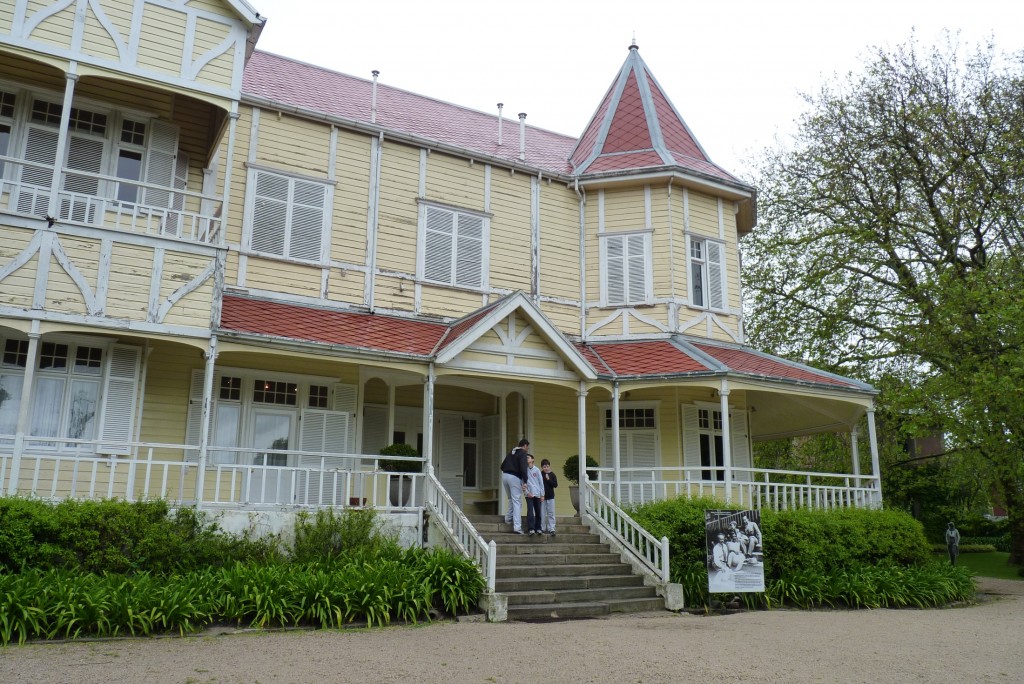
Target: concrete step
[
  {"x": 558, "y": 610},
  {"x": 557, "y": 559},
  {"x": 489, "y": 528},
  {"x": 547, "y": 583},
  {"x": 555, "y": 571},
  {"x": 559, "y": 538},
  {"x": 529, "y": 546},
  {"x": 602, "y": 594},
  {"x": 559, "y": 519}
]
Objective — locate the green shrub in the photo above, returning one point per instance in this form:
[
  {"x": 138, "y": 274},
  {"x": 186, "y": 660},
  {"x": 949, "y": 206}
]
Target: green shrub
[
  {"x": 965, "y": 548},
  {"x": 400, "y": 466},
  {"x": 328, "y": 535},
  {"x": 571, "y": 469}
]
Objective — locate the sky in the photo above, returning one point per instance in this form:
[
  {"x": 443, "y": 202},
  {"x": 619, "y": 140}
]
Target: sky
[{"x": 735, "y": 70}]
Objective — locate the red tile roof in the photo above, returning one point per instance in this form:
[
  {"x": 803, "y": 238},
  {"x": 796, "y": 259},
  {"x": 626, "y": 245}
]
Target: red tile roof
[
  {"x": 652, "y": 357},
  {"x": 289, "y": 82},
  {"x": 754, "y": 363},
  {"x": 348, "y": 329}
]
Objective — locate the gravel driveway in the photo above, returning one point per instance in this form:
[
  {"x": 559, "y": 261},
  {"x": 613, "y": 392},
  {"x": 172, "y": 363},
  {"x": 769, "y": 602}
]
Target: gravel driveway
[{"x": 978, "y": 643}]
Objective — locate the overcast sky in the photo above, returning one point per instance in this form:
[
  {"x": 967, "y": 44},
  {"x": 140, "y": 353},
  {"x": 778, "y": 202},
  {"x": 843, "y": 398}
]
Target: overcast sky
[{"x": 734, "y": 70}]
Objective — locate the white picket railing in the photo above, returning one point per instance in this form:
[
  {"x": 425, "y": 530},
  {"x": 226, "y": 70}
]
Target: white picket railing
[
  {"x": 642, "y": 545},
  {"x": 459, "y": 530},
  {"x": 756, "y": 488}
]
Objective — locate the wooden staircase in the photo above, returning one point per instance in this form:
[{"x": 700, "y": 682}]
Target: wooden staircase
[{"x": 570, "y": 575}]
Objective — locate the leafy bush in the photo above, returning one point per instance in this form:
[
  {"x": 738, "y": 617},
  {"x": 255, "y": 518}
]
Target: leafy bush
[
  {"x": 571, "y": 469},
  {"x": 400, "y": 466},
  {"x": 118, "y": 537},
  {"x": 801, "y": 546},
  {"x": 65, "y": 604},
  {"x": 329, "y": 535},
  {"x": 966, "y": 548}
]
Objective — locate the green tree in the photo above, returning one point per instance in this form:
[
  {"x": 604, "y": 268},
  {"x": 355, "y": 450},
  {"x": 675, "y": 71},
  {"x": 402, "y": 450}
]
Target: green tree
[{"x": 890, "y": 245}]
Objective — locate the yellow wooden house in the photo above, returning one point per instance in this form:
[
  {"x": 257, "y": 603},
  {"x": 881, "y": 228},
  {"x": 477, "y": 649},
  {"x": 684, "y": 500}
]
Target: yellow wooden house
[{"x": 229, "y": 278}]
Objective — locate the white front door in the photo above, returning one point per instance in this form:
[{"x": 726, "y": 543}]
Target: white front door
[{"x": 272, "y": 429}]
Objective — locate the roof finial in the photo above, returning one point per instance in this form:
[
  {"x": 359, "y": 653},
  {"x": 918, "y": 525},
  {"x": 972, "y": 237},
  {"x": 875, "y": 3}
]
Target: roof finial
[{"x": 633, "y": 45}]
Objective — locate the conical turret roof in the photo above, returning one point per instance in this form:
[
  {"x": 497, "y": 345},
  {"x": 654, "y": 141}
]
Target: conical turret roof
[{"x": 636, "y": 127}]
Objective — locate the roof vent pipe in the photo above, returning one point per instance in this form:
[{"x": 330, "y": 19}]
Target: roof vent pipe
[
  {"x": 501, "y": 121},
  {"x": 522, "y": 136},
  {"x": 373, "y": 102}
]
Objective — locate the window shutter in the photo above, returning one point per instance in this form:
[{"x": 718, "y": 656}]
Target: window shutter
[
  {"x": 345, "y": 397},
  {"x": 643, "y": 453},
  {"x": 325, "y": 432},
  {"x": 469, "y": 252},
  {"x": 615, "y": 276},
  {"x": 40, "y": 147},
  {"x": 636, "y": 246},
  {"x": 173, "y": 223},
  {"x": 307, "y": 221},
  {"x": 490, "y": 451},
  {"x": 438, "y": 240},
  {"x": 194, "y": 418},
  {"x": 691, "y": 439},
  {"x": 450, "y": 433},
  {"x": 163, "y": 145},
  {"x": 120, "y": 388},
  {"x": 716, "y": 284},
  {"x": 375, "y": 429},
  {"x": 270, "y": 213},
  {"x": 740, "y": 443},
  {"x": 84, "y": 154}
]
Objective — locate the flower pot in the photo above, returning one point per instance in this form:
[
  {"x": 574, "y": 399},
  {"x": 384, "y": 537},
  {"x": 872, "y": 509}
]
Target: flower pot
[
  {"x": 399, "y": 490},
  {"x": 574, "y": 496}
]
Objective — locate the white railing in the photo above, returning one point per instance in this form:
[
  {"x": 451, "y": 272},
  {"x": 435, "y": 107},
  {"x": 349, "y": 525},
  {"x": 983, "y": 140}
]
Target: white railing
[
  {"x": 459, "y": 530},
  {"x": 638, "y": 542},
  {"x": 247, "y": 480},
  {"x": 756, "y": 488},
  {"x": 182, "y": 214}
]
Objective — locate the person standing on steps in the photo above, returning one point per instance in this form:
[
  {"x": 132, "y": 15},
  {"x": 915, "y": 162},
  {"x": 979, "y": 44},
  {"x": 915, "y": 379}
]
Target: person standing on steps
[
  {"x": 534, "y": 496},
  {"x": 514, "y": 471},
  {"x": 550, "y": 482}
]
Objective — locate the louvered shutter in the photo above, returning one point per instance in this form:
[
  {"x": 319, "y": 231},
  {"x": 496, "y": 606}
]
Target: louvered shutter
[
  {"x": 84, "y": 154},
  {"x": 162, "y": 145},
  {"x": 305, "y": 237},
  {"x": 270, "y": 213},
  {"x": 324, "y": 432},
  {"x": 614, "y": 273},
  {"x": 345, "y": 397},
  {"x": 490, "y": 451},
  {"x": 740, "y": 443},
  {"x": 716, "y": 275},
  {"x": 636, "y": 265},
  {"x": 643, "y": 453},
  {"x": 40, "y": 147},
  {"x": 691, "y": 441},
  {"x": 173, "y": 223},
  {"x": 438, "y": 245},
  {"x": 469, "y": 251},
  {"x": 119, "y": 392},
  {"x": 375, "y": 429},
  {"x": 450, "y": 434}
]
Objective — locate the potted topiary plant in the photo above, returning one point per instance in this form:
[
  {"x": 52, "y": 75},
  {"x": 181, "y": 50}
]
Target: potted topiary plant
[
  {"x": 400, "y": 487},
  {"x": 571, "y": 470}
]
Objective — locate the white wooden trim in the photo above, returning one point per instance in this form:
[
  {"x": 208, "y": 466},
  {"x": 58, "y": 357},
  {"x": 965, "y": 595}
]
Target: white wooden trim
[{"x": 185, "y": 289}]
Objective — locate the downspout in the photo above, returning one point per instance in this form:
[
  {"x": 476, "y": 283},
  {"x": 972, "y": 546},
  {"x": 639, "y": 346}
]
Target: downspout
[
  {"x": 616, "y": 460},
  {"x": 581, "y": 428}
]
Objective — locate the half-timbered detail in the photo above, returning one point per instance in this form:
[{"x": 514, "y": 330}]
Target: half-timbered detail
[{"x": 229, "y": 279}]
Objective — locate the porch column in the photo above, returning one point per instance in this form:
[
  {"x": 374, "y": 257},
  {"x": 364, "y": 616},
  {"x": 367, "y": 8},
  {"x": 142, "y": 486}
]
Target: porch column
[
  {"x": 723, "y": 397},
  {"x": 581, "y": 436},
  {"x": 876, "y": 471},
  {"x": 391, "y": 414},
  {"x": 428, "y": 420},
  {"x": 855, "y": 454},
  {"x": 615, "y": 443},
  {"x": 70, "y": 78},
  {"x": 503, "y": 444},
  {"x": 24, "y": 408},
  {"x": 204, "y": 429}
]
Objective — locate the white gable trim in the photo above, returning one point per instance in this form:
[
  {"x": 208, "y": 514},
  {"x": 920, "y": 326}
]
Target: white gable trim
[{"x": 533, "y": 316}]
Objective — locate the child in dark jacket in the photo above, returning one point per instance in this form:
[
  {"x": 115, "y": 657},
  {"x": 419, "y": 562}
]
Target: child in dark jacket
[{"x": 550, "y": 482}]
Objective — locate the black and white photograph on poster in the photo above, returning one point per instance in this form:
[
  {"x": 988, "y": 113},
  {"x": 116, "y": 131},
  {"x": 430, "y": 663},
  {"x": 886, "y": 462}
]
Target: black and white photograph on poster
[{"x": 735, "y": 551}]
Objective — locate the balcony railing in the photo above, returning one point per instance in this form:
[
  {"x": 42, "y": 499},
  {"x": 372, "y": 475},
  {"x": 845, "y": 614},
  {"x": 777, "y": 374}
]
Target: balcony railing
[
  {"x": 247, "y": 481},
  {"x": 153, "y": 209},
  {"x": 756, "y": 488}
]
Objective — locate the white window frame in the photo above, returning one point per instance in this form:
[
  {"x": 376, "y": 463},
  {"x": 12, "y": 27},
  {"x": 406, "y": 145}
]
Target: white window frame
[
  {"x": 289, "y": 249},
  {"x": 715, "y": 471},
  {"x": 703, "y": 268},
  {"x": 604, "y": 408},
  {"x": 431, "y": 221},
  {"x": 610, "y": 294}
]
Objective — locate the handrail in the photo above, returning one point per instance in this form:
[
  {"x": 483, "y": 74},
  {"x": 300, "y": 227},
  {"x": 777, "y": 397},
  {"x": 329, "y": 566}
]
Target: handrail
[
  {"x": 459, "y": 530},
  {"x": 637, "y": 541}
]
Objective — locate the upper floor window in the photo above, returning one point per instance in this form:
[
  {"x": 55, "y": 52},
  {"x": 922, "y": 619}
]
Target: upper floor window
[
  {"x": 288, "y": 216},
  {"x": 707, "y": 273},
  {"x": 626, "y": 269},
  {"x": 453, "y": 247}
]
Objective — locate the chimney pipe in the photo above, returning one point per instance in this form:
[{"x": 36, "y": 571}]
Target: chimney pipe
[
  {"x": 522, "y": 136},
  {"x": 373, "y": 102},
  {"x": 500, "y": 122}
]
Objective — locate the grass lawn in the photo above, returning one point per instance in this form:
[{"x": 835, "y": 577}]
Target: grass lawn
[{"x": 991, "y": 564}]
